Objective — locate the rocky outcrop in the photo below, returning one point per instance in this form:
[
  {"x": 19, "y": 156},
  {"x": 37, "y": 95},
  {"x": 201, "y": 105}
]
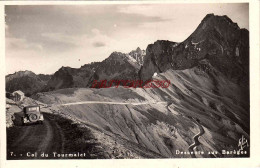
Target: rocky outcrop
[
  {"x": 117, "y": 66},
  {"x": 9, "y": 106},
  {"x": 138, "y": 55},
  {"x": 61, "y": 79}
]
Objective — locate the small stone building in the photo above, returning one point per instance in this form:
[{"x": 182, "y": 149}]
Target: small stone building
[{"x": 17, "y": 95}]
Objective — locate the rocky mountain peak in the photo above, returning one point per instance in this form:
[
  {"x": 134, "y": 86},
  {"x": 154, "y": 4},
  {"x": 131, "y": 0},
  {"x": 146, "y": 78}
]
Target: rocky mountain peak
[
  {"x": 19, "y": 74},
  {"x": 216, "y": 27},
  {"x": 138, "y": 50},
  {"x": 215, "y": 20},
  {"x": 217, "y": 39},
  {"x": 24, "y": 73},
  {"x": 138, "y": 55}
]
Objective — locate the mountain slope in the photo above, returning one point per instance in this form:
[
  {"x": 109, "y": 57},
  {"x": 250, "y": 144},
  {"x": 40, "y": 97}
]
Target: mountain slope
[
  {"x": 164, "y": 128},
  {"x": 206, "y": 105}
]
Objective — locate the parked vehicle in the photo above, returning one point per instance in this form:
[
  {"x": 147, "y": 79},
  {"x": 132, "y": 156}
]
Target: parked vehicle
[{"x": 32, "y": 114}]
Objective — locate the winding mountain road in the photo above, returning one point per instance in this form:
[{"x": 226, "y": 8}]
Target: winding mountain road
[
  {"x": 196, "y": 138},
  {"x": 103, "y": 102}
]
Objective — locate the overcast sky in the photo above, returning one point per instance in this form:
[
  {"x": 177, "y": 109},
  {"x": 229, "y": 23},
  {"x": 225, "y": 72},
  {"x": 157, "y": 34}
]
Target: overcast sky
[{"x": 44, "y": 38}]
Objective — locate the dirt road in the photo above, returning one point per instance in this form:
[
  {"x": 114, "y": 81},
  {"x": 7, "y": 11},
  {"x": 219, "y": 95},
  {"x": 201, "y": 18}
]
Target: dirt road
[
  {"x": 29, "y": 142},
  {"x": 196, "y": 138},
  {"x": 100, "y": 102}
]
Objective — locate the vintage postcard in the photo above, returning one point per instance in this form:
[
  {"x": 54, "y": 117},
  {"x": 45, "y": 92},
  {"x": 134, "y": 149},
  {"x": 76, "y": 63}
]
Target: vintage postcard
[{"x": 128, "y": 81}]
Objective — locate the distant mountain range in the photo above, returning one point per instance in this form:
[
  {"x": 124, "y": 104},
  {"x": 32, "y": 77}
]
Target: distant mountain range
[
  {"x": 216, "y": 39},
  {"x": 117, "y": 66}
]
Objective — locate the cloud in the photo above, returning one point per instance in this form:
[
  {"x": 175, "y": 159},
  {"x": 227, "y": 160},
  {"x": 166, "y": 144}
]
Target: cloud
[
  {"x": 95, "y": 31},
  {"x": 21, "y": 44},
  {"x": 58, "y": 28},
  {"x": 99, "y": 44},
  {"x": 57, "y": 42},
  {"x": 60, "y": 35}
]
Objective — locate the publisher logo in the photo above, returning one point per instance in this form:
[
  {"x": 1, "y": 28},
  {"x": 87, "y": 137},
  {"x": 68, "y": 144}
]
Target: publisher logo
[{"x": 242, "y": 143}]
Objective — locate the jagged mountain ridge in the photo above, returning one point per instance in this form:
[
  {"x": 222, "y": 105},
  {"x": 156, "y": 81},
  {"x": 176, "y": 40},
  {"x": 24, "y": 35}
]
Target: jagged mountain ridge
[
  {"x": 117, "y": 66},
  {"x": 217, "y": 39},
  {"x": 27, "y": 81}
]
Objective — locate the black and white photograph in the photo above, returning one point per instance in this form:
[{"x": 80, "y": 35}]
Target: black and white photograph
[{"x": 127, "y": 81}]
